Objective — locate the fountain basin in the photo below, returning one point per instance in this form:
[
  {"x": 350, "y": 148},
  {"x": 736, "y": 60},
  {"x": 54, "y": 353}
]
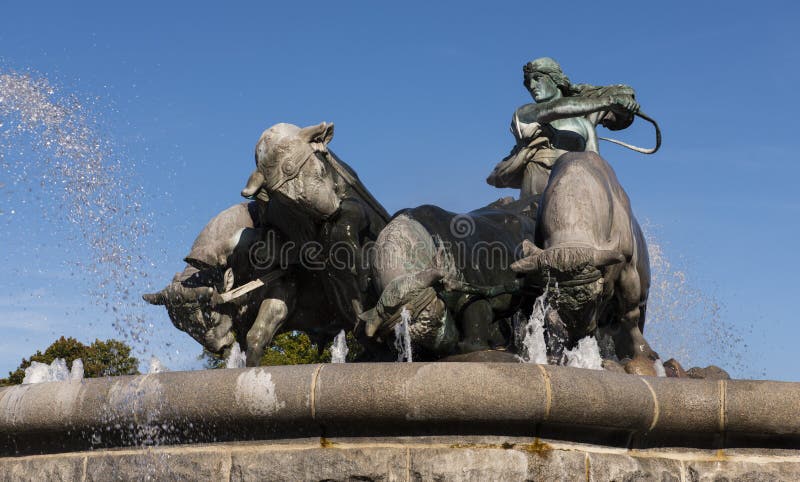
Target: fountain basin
[{"x": 388, "y": 418}]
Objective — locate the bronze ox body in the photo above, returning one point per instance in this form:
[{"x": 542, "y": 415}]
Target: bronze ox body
[{"x": 589, "y": 242}]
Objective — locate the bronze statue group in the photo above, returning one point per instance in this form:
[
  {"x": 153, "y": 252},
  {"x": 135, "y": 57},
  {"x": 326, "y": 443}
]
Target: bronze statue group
[{"x": 313, "y": 250}]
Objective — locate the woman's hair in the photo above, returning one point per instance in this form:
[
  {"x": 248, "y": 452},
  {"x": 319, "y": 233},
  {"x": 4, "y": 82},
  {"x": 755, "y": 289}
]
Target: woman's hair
[{"x": 549, "y": 67}]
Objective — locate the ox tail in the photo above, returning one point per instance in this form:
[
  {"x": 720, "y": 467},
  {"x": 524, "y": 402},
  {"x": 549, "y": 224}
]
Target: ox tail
[{"x": 566, "y": 259}]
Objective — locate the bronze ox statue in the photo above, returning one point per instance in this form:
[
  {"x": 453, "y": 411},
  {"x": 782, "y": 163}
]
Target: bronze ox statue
[
  {"x": 317, "y": 208},
  {"x": 315, "y": 199},
  {"x": 217, "y": 262},
  {"x": 589, "y": 242},
  {"x": 240, "y": 285},
  {"x": 452, "y": 273}
]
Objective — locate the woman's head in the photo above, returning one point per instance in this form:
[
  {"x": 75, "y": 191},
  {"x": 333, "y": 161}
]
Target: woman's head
[{"x": 540, "y": 74}]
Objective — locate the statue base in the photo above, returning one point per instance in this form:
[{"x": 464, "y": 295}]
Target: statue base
[{"x": 453, "y": 458}]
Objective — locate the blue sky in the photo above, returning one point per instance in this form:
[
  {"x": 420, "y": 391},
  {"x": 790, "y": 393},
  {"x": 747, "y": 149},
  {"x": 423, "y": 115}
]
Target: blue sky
[{"x": 421, "y": 95}]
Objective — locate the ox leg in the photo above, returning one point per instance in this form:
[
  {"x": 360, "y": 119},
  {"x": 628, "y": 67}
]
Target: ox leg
[
  {"x": 534, "y": 180},
  {"x": 271, "y": 316},
  {"x": 475, "y": 326},
  {"x": 643, "y": 357},
  {"x": 220, "y": 336}
]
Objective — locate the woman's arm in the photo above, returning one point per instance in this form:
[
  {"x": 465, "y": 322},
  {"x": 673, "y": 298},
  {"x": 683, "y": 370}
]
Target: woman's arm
[{"x": 567, "y": 107}]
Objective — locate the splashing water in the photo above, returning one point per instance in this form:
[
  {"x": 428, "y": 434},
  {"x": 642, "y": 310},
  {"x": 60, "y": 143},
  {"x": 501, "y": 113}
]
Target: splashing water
[
  {"x": 236, "y": 358},
  {"x": 681, "y": 321},
  {"x": 54, "y": 152},
  {"x": 42, "y": 372},
  {"x": 402, "y": 337},
  {"x": 534, "y": 348},
  {"x": 658, "y": 365},
  {"x": 339, "y": 348},
  {"x": 684, "y": 322},
  {"x": 76, "y": 372},
  {"x": 156, "y": 366},
  {"x": 586, "y": 354},
  {"x": 54, "y": 372}
]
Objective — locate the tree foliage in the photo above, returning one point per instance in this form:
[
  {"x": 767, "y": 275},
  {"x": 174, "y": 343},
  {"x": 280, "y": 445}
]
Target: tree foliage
[
  {"x": 291, "y": 348},
  {"x": 294, "y": 348},
  {"x": 100, "y": 359}
]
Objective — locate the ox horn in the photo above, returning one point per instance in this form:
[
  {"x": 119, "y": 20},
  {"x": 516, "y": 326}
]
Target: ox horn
[
  {"x": 176, "y": 293},
  {"x": 603, "y": 257},
  {"x": 159, "y": 298},
  {"x": 399, "y": 291},
  {"x": 565, "y": 258},
  {"x": 254, "y": 184},
  {"x": 529, "y": 249}
]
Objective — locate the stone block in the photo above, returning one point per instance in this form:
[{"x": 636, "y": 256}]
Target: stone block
[
  {"x": 624, "y": 467},
  {"x": 188, "y": 464},
  {"x": 66, "y": 468},
  {"x": 468, "y": 464},
  {"x": 735, "y": 471},
  {"x": 476, "y": 463},
  {"x": 313, "y": 464}
]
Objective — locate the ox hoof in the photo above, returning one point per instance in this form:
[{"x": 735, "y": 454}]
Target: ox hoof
[
  {"x": 674, "y": 369},
  {"x": 641, "y": 366},
  {"x": 612, "y": 366},
  {"x": 711, "y": 372}
]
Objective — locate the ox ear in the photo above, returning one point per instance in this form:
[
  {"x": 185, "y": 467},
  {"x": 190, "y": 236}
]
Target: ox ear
[
  {"x": 227, "y": 280},
  {"x": 254, "y": 183},
  {"x": 321, "y": 133}
]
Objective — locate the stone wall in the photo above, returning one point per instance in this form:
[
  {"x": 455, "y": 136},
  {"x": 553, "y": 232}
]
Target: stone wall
[{"x": 405, "y": 459}]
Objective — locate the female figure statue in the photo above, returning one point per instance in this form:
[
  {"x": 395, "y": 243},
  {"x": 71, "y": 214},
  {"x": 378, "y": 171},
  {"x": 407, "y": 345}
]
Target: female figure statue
[{"x": 562, "y": 119}]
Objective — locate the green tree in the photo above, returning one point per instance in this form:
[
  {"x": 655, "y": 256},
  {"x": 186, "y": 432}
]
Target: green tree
[
  {"x": 109, "y": 358},
  {"x": 101, "y": 358},
  {"x": 290, "y": 348},
  {"x": 294, "y": 348},
  {"x": 211, "y": 360}
]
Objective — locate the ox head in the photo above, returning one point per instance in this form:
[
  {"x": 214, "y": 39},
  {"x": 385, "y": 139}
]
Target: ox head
[
  {"x": 581, "y": 274},
  {"x": 410, "y": 269},
  {"x": 219, "y": 255},
  {"x": 189, "y": 303},
  {"x": 291, "y": 164}
]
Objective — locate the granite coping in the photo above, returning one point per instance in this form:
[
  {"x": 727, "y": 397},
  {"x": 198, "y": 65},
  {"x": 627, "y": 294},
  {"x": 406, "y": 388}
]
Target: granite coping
[{"x": 398, "y": 399}]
